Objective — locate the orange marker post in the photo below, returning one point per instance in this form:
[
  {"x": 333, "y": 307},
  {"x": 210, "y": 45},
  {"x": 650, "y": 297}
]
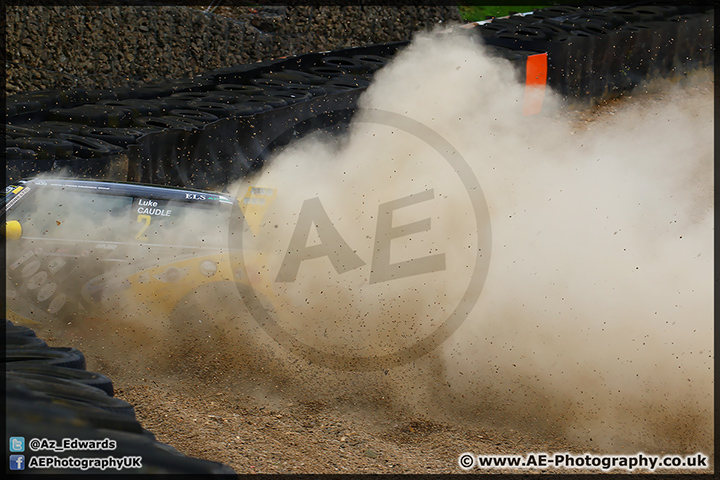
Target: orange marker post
[{"x": 535, "y": 81}]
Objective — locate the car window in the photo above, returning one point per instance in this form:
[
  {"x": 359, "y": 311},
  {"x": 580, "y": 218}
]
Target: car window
[
  {"x": 65, "y": 214},
  {"x": 70, "y": 214},
  {"x": 180, "y": 223}
]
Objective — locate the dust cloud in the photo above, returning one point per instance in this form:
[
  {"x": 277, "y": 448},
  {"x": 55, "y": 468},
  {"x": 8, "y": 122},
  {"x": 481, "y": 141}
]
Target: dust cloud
[
  {"x": 595, "y": 321},
  {"x": 595, "y": 318}
]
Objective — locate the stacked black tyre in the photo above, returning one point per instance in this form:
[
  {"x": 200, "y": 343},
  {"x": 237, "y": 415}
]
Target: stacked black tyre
[
  {"x": 598, "y": 52},
  {"x": 210, "y": 130},
  {"x": 201, "y": 132},
  {"x": 50, "y": 396}
]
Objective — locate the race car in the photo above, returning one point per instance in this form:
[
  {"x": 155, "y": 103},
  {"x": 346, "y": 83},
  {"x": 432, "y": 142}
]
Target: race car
[{"x": 78, "y": 249}]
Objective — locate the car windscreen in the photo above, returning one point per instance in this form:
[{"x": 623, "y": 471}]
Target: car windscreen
[{"x": 71, "y": 214}]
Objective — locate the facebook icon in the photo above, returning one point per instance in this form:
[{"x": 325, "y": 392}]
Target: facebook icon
[{"x": 17, "y": 462}]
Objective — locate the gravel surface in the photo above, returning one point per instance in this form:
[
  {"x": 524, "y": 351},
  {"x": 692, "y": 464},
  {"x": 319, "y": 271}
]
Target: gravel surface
[
  {"x": 261, "y": 411},
  {"x": 60, "y": 47}
]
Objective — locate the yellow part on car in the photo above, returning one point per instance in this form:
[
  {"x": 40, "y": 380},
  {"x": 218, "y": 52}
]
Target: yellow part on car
[
  {"x": 254, "y": 204},
  {"x": 13, "y": 230},
  {"x": 161, "y": 288}
]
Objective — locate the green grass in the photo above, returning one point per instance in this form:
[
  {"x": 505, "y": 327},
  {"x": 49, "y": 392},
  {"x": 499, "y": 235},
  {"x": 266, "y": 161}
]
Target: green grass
[{"x": 475, "y": 13}]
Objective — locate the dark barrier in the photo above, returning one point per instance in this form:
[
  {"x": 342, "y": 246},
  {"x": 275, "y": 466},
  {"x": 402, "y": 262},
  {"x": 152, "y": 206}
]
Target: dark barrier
[
  {"x": 51, "y": 396},
  {"x": 227, "y": 149},
  {"x": 595, "y": 53},
  {"x": 214, "y": 128},
  {"x": 182, "y": 117},
  {"x": 20, "y": 162}
]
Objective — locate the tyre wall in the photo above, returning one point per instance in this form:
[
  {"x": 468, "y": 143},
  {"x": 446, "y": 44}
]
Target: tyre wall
[
  {"x": 208, "y": 130},
  {"x": 597, "y": 52},
  {"x": 200, "y": 132},
  {"x": 50, "y": 396}
]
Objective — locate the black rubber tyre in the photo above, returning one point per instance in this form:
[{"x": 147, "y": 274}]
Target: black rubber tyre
[
  {"x": 94, "y": 115},
  {"x": 251, "y": 108},
  {"x": 524, "y": 34},
  {"x": 606, "y": 22},
  {"x": 59, "y": 356},
  {"x": 19, "y": 341},
  {"x": 122, "y": 137},
  {"x": 614, "y": 21},
  {"x": 627, "y": 14},
  {"x": 312, "y": 90},
  {"x": 74, "y": 97},
  {"x": 273, "y": 86},
  {"x": 148, "y": 91},
  {"x": 240, "y": 89},
  {"x": 650, "y": 13},
  {"x": 198, "y": 115},
  {"x": 169, "y": 122},
  {"x": 595, "y": 28},
  {"x": 270, "y": 100},
  {"x": 328, "y": 71},
  {"x": 189, "y": 96},
  {"x": 512, "y": 22},
  {"x": 32, "y": 407},
  {"x": 558, "y": 11},
  {"x": 15, "y": 164},
  {"x": 12, "y": 329},
  {"x": 17, "y": 131},
  {"x": 22, "y": 163},
  {"x": 87, "y": 147},
  {"x": 166, "y": 104},
  {"x": 35, "y": 371},
  {"x": 348, "y": 81},
  {"x": 514, "y": 55},
  {"x": 215, "y": 108},
  {"x": 33, "y": 101},
  {"x": 217, "y": 96},
  {"x": 295, "y": 77},
  {"x": 46, "y": 148},
  {"x": 56, "y": 423},
  {"x": 372, "y": 62},
  {"x": 552, "y": 31},
  {"x": 59, "y": 127},
  {"x": 290, "y": 97},
  {"x": 492, "y": 29},
  {"x": 71, "y": 391},
  {"x": 587, "y": 25},
  {"x": 68, "y": 389},
  {"x": 269, "y": 83},
  {"x": 139, "y": 108},
  {"x": 20, "y": 153}
]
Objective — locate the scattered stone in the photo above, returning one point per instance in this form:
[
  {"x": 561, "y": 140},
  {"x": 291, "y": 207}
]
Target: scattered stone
[{"x": 178, "y": 42}]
